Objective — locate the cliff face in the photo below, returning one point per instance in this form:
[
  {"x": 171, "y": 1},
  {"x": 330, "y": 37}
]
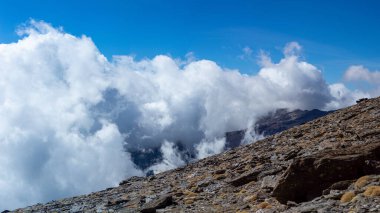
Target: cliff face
[{"x": 331, "y": 164}]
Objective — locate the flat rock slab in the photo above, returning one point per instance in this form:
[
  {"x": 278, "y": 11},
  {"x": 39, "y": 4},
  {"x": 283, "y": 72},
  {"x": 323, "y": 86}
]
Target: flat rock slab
[{"x": 244, "y": 179}]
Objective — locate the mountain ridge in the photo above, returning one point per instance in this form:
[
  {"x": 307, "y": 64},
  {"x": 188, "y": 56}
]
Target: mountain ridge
[{"x": 274, "y": 122}]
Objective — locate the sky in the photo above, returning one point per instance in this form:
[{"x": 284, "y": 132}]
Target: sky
[
  {"x": 82, "y": 83},
  {"x": 334, "y": 34}
]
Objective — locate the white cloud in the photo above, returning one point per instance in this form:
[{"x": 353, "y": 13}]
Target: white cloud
[
  {"x": 67, "y": 111},
  {"x": 171, "y": 158},
  {"x": 370, "y": 80},
  {"x": 49, "y": 80},
  {"x": 190, "y": 57},
  {"x": 264, "y": 59},
  {"x": 360, "y": 73},
  {"x": 247, "y": 53},
  {"x": 292, "y": 49},
  {"x": 208, "y": 148},
  {"x": 250, "y": 135},
  {"x": 295, "y": 84},
  {"x": 247, "y": 50},
  {"x": 343, "y": 96}
]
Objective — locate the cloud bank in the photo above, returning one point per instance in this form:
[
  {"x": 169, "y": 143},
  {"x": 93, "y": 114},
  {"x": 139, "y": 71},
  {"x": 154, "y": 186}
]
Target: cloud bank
[
  {"x": 371, "y": 79},
  {"x": 360, "y": 73},
  {"x": 68, "y": 113}
]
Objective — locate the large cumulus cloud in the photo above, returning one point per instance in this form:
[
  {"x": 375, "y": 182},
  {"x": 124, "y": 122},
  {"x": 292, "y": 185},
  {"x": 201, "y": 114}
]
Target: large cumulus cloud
[
  {"x": 49, "y": 148},
  {"x": 67, "y": 113}
]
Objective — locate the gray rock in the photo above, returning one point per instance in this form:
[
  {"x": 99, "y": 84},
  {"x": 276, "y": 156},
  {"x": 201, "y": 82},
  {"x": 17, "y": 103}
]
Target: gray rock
[{"x": 159, "y": 203}]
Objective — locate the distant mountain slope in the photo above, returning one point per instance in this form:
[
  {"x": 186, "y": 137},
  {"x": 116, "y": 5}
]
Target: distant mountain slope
[
  {"x": 282, "y": 120},
  {"x": 275, "y": 122},
  {"x": 331, "y": 164}
]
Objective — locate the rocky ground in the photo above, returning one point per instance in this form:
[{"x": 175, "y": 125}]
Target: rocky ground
[{"x": 331, "y": 164}]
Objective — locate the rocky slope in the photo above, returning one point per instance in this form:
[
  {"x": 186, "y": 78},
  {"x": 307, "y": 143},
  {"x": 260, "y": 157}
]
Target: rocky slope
[{"x": 331, "y": 164}]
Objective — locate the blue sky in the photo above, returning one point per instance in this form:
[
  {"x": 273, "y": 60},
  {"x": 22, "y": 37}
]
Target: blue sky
[
  {"x": 62, "y": 105},
  {"x": 334, "y": 34}
]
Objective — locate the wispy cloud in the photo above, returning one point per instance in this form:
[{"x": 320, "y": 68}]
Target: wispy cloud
[
  {"x": 292, "y": 48},
  {"x": 246, "y": 53}
]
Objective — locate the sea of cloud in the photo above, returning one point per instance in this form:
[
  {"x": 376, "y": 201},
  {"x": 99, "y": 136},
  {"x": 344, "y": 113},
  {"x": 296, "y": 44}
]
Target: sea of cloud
[{"x": 67, "y": 113}]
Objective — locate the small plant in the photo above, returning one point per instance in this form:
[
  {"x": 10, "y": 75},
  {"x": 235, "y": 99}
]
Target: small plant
[
  {"x": 189, "y": 201},
  {"x": 372, "y": 191},
  {"x": 190, "y": 193},
  {"x": 250, "y": 198},
  {"x": 241, "y": 192},
  {"x": 361, "y": 182},
  {"x": 264, "y": 205},
  {"x": 347, "y": 197}
]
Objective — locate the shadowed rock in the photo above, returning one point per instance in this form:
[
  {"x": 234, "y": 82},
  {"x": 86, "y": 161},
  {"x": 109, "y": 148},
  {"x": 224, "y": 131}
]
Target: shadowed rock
[
  {"x": 244, "y": 179},
  {"x": 159, "y": 203},
  {"x": 307, "y": 177}
]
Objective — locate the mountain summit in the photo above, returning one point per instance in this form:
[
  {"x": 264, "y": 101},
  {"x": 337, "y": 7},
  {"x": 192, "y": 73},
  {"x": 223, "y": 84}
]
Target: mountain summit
[{"x": 331, "y": 164}]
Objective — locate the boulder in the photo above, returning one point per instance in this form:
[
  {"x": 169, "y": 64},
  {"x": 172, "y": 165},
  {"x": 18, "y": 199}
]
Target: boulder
[{"x": 307, "y": 177}]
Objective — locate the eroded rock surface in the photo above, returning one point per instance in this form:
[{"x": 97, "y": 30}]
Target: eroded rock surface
[
  {"x": 323, "y": 169},
  {"x": 328, "y": 165}
]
